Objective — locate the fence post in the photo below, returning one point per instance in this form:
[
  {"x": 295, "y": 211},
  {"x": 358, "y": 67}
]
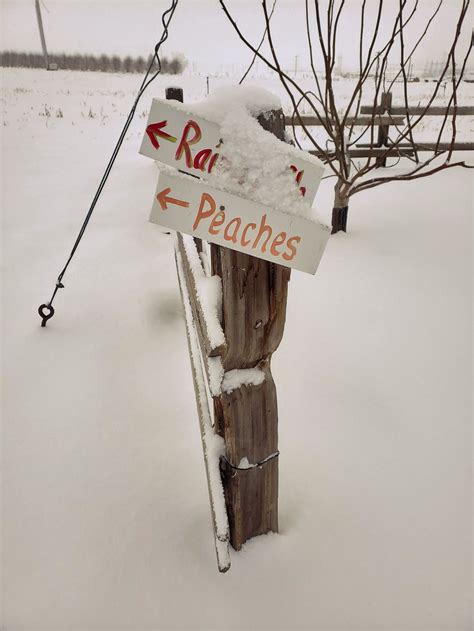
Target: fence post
[
  {"x": 176, "y": 94},
  {"x": 254, "y": 295},
  {"x": 382, "y": 140},
  {"x": 253, "y": 319}
]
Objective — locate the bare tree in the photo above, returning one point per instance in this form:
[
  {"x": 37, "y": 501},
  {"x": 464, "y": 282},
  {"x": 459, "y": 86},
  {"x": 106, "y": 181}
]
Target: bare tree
[{"x": 338, "y": 117}]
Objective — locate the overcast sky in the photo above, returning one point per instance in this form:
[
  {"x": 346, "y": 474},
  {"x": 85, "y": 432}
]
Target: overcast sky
[{"x": 201, "y": 31}]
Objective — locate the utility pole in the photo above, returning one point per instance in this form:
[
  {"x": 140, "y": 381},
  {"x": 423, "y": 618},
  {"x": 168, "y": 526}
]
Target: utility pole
[
  {"x": 296, "y": 64},
  {"x": 41, "y": 31},
  {"x": 48, "y": 66}
]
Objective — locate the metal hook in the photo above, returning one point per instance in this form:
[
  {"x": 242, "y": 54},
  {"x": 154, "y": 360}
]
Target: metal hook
[{"x": 46, "y": 312}]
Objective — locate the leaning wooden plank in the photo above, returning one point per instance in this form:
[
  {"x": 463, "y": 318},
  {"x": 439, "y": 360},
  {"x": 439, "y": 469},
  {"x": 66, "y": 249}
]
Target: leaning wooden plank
[
  {"x": 201, "y": 284},
  {"x": 212, "y": 444},
  {"x": 202, "y": 296},
  {"x": 435, "y": 110},
  {"x": 362, "y": 121}
]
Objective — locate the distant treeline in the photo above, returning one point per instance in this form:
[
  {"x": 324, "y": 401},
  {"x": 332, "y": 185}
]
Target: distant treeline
[{"x": 104, "y": 63}]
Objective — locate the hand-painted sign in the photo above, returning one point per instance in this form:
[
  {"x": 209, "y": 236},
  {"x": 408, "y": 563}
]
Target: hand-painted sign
[
  {"x": 191, "y": 206},
  {"x": 192, "y": 144}
]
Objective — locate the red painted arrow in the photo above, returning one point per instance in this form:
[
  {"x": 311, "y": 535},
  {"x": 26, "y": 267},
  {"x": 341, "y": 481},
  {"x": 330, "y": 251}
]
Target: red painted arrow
[
  {"x": 164, "y": 199},
  {"x": 154, "y": 130}
]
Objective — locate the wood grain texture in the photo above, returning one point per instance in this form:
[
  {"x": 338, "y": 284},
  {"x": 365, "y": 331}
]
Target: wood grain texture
[
  {"x": 247, "y": 418},
  {"x": 253, "y": 306},
  {"x": 252, "y": 501},
  {"x": 253, "y": 318}
]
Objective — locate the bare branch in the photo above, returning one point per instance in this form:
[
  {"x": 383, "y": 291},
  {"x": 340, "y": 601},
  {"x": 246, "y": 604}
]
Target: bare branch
[
  {"x": 285, "y": 78},
  {"x": 405, "y": 81},
  {"x": 412, "y": 124},
  {"x": 418, "y": 42},
  {"x": 329, "y": 100},
  {"x": 407, "y": 177},
  {"x": 322, "y": 32},
  {"x": 281, "y": 74},
  {"x": 311, "y": 58},
  {"x": 258, "y": 47},
  {"x": 334, "y": 37}
]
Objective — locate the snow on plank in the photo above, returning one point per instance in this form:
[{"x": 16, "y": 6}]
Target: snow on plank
[
  {"x": 193, "y": 207},
  {"x": 190, "y": 143},
  {"x": 213, "y": 445},
  {"x": 205, "y": 295}
]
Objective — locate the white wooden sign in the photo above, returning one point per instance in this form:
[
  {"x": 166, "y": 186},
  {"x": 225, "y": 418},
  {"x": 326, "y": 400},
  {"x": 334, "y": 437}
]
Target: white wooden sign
[
  {"x": 192, "y": 144},
  {"x": 191, "y": 206}
]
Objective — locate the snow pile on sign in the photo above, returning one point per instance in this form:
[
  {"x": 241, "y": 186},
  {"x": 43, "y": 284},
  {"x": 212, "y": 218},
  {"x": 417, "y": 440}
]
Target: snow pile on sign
[
  {"x": 252, "y": 163},
  {"x": 255, "y": 101}
]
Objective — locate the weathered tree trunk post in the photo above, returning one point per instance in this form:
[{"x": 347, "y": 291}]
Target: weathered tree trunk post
[
  {"x": 253, "y": 319},
  {"x": 382, "y": 140},
  {"x": 254, "y": 294}
]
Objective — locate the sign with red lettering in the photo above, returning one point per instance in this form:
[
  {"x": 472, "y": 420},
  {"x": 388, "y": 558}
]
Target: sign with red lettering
[
  {"x": 191, "y": 206},
  {"x": 192, "y": 144}
]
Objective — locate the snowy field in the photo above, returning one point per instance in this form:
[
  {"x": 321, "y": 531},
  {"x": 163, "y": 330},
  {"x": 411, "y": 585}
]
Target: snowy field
[{"x": 106, "y": 520}]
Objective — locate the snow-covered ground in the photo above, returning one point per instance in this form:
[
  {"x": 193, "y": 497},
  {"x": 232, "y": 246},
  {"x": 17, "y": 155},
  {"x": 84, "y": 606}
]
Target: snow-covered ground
[{"x": 106, "y": 518}]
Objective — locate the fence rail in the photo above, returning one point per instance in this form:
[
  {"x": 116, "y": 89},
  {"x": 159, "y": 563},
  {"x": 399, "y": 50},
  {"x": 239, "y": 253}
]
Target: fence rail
[
  {"x": 430, "y": 146},
  {"x": 374, "y": 152},
  {"x": 362, "y": 121},
  {"x": 438, "y": 110}
]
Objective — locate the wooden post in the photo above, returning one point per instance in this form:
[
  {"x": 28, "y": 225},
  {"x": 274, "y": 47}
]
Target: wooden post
[
  {"x": 382, "y": 140},
  {"x": 254, "y": 294},
  {"x": 176, "y": 94},
  {"x": 253, "y": 319}
]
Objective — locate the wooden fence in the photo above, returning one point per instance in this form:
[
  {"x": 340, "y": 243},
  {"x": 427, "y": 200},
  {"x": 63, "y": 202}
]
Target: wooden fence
[{"x": 383, "y": 116}]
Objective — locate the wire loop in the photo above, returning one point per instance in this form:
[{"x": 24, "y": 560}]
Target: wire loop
[{"x": 252, "y": 466}]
